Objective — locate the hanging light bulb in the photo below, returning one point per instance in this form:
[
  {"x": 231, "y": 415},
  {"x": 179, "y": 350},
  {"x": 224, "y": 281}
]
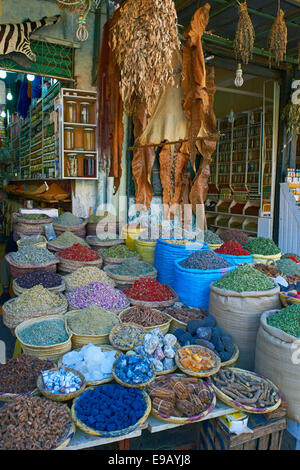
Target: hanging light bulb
[
  {"x": 231, "y": 116},
  {"x": 3, "y": 114},
  {"x": 3, "y": 74},
  {"x": 238, "y": 81},
  {"x": 30, "y": 77},
  {"x": 9, "y": 96}
]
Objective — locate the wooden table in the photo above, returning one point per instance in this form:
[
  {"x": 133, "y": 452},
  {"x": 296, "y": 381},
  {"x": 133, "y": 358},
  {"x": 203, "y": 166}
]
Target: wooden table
[{"x": 81, "y": 440}]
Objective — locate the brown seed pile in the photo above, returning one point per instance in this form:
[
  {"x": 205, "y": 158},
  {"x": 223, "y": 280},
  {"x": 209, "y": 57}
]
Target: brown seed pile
[
  {"x": 186, "y": 314},
  {"x": 33, "y": 424},
  {"x": 19, "y": 374},
  {"x": 144, "y": 316},
  {"x": 271, "y": 270}
]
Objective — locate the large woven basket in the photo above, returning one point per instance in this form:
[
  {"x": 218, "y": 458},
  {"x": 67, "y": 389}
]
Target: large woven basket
[
  {"x": 41, "y": 244},
  {"x": 162, "y": 304},
  {"x": 12, "y": 319},
  {"x": 242, "y": 407},
  {"x": 7, "y": 397},
  {"x": 66, "y": 266},
  {"x": 79, "y": 229},
  {"x": 55, "y": 290},
  {"x": 43, "y": 221},
  {"x": 61, "y": 396},
  {"x": 52, "y": 352},
  {"x": 191, "y": 419},
  {"x": 164, "y": 327},
  {"x": 202, "y": 373},
  {"x": 123, "y": 325},
  {"x": 91, "y": 228},
  {"x": 109, "y": 260},
  {"x": 128, "y": 385},
  {"x": 17, "y": 270},
  {"x": 98, "y": 244},
  {"x": 106, "y": 434},
  {"x": 94, "y": 383},
  {"x": 127, "y": 280},
  {"x": 79, "y": 340}
]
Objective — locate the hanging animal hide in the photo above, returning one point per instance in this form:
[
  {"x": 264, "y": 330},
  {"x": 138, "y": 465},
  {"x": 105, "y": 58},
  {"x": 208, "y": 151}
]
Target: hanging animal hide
[
  {"x": 194, "y": 78},
  {"x": 142, "y": 162},
  {"x": 206, "y": 147},
  {"x": 16, "y": 37},
  {"x": 110, "y": 116},
  {"x": 173, "y": 160}
]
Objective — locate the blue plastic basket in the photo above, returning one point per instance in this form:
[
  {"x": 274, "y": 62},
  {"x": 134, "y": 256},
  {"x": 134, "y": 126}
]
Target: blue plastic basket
[{"x": 236, "y": 260}]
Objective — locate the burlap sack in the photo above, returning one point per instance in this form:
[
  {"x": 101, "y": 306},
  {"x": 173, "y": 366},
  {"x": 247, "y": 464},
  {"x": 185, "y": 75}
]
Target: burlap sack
[
  {"x": 239, "y": 314},
  {"x": 277, "y": 357}
]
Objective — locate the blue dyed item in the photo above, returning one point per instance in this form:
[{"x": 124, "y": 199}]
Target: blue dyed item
[
  {"x": 110, "y": 407},
  {"x": 133, "y": 369}
]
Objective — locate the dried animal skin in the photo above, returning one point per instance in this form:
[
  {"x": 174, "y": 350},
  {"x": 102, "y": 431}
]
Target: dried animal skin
[
  {"x": 144, "y": 39},
  {"x": 206, "y": 147},
  {"x": 142, "y": 163},
  {"x": 194, "y": 77}
]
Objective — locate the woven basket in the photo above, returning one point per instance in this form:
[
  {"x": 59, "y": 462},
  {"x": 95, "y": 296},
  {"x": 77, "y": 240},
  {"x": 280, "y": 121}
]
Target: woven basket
[
  {"x": 127, "y": 280},
  {"x": 79, "y": 229},
  {"x": 52, "y": 352},
  {"x": 12, "y": 319},
  {"x": 28, "y": 229},
  {"x": 98, "y": 244},
  {"x": 117, "y": 328},
  {"x": 42, "y": 244},
  {"x": 127, "y": 385},
  {"x": 66, "y": 266},
  {"x": 234, "y": 357},
  {"x": 242, "y": 407},
  {"x": 286, "y": 300},
  {"x": 214, "y": 246},
  {"x": 266, "y": 259},
  {"x": 108, "y": 260},
  {"x": 7, "y": 397},
  {"x": 175, "y": 324},
  {"x": 45, "y": 220},
  {"x": 79, "y": 340},
  {"x": 191, "y": 419},
  {"x": 55, "y": 290},
  {"x": 91, "y": 228},
  {"x": 162, "y": 304},
  {"x": 164, "y": 327},
  {"x": 94, "y": 383},
  {"x": 106, "y": 434},
  {"x": 17, "y": 270},
  {"x": 203, "y": 373},
  {"x": 61, "y": 396}
]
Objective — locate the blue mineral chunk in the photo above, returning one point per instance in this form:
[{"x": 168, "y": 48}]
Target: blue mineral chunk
[
  {"x": 179, "y": 333},
  {"x": 192, "y": 326},
  {"x": 209, "y": 321},
  {"x": 204, "y": 332},
  {"x": 228, "y": 343},
  {"x": 205, "y": 343},
  {"x": 187, "y": 337},
  {"x": 216, "y": 331},
  {"x": 225, "y": 356},
  {"x": 132, "y": 359},
  {"x": 219, "y": 344}
]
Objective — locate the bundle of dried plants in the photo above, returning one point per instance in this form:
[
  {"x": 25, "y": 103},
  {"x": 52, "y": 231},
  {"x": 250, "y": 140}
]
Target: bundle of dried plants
[
  {"x": 244, "y": 36},
  {"x": 277, "y": 40}
]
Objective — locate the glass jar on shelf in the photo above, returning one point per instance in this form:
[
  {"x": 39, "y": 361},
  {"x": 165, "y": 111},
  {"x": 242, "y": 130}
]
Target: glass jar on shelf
[
  {"x": 89, "y": 139},
  {"x": 69, "y": 138},
  {"x": 70, "y": 111},
  {"x": 85, "y": 113}
]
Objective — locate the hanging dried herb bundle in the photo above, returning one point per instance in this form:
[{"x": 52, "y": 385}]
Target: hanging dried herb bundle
[
  {"x": 244, "y": 36},
  {"x": 144, "y": 39},
  {"x": 291, "y": 115},
  {"x": 299, "y": 55},
  {"x": 277, "y": 39}
]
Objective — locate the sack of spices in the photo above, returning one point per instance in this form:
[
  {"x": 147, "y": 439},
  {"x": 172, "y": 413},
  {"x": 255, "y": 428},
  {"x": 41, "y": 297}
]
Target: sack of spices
[{"x": 277, "y": 354}]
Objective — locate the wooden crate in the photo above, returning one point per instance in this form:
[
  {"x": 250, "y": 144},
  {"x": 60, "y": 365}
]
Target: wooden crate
[{"x": 267, "y": 435}]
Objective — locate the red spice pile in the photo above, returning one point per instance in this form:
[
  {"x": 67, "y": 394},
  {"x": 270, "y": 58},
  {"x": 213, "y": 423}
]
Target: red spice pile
[
  {"x": 232, "y": 248},
  {"x": 78, "y": 252},
  {"x": 149, "y": 290}
]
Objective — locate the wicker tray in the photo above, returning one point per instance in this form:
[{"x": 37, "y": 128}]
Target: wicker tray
[
  {"x": 7, "y": 397},
  {"x": 286, "y": 300},
  {"x": 94, "y": 383},
  {"x": 79, "y": 340},
  {"x": 55, "y": 290},
  {"x": 60, "y": 396},
  {"x": 127, "y": 385},
  {"x": 163, "y": 304},
  {"x": 164, "y": 327},
  {"x": 68, "y": 266},
  {"x": 108, "y": 260},
  {"x": 102, "y": 243},
  {"x": 118, "y": 327},
  {"x": 52, "y": 352},
  {"x": 17, "y": 270},
  {"x": 204, "y": 373},
  {"x": 242, "y": 407},
  {"x": 106, "y": 434},
  {"x": 12, "y": 319},
  {"x": 191, "y": 419},
  {"x": 127, "y": 280}
]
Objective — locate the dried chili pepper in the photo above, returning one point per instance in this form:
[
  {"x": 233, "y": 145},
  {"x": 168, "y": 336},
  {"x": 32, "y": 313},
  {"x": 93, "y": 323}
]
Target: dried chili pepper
[
  {"x": 149, "y": 290},
  {"x": 232, "y": 248},
  {"x": 78, "y": 252}
]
